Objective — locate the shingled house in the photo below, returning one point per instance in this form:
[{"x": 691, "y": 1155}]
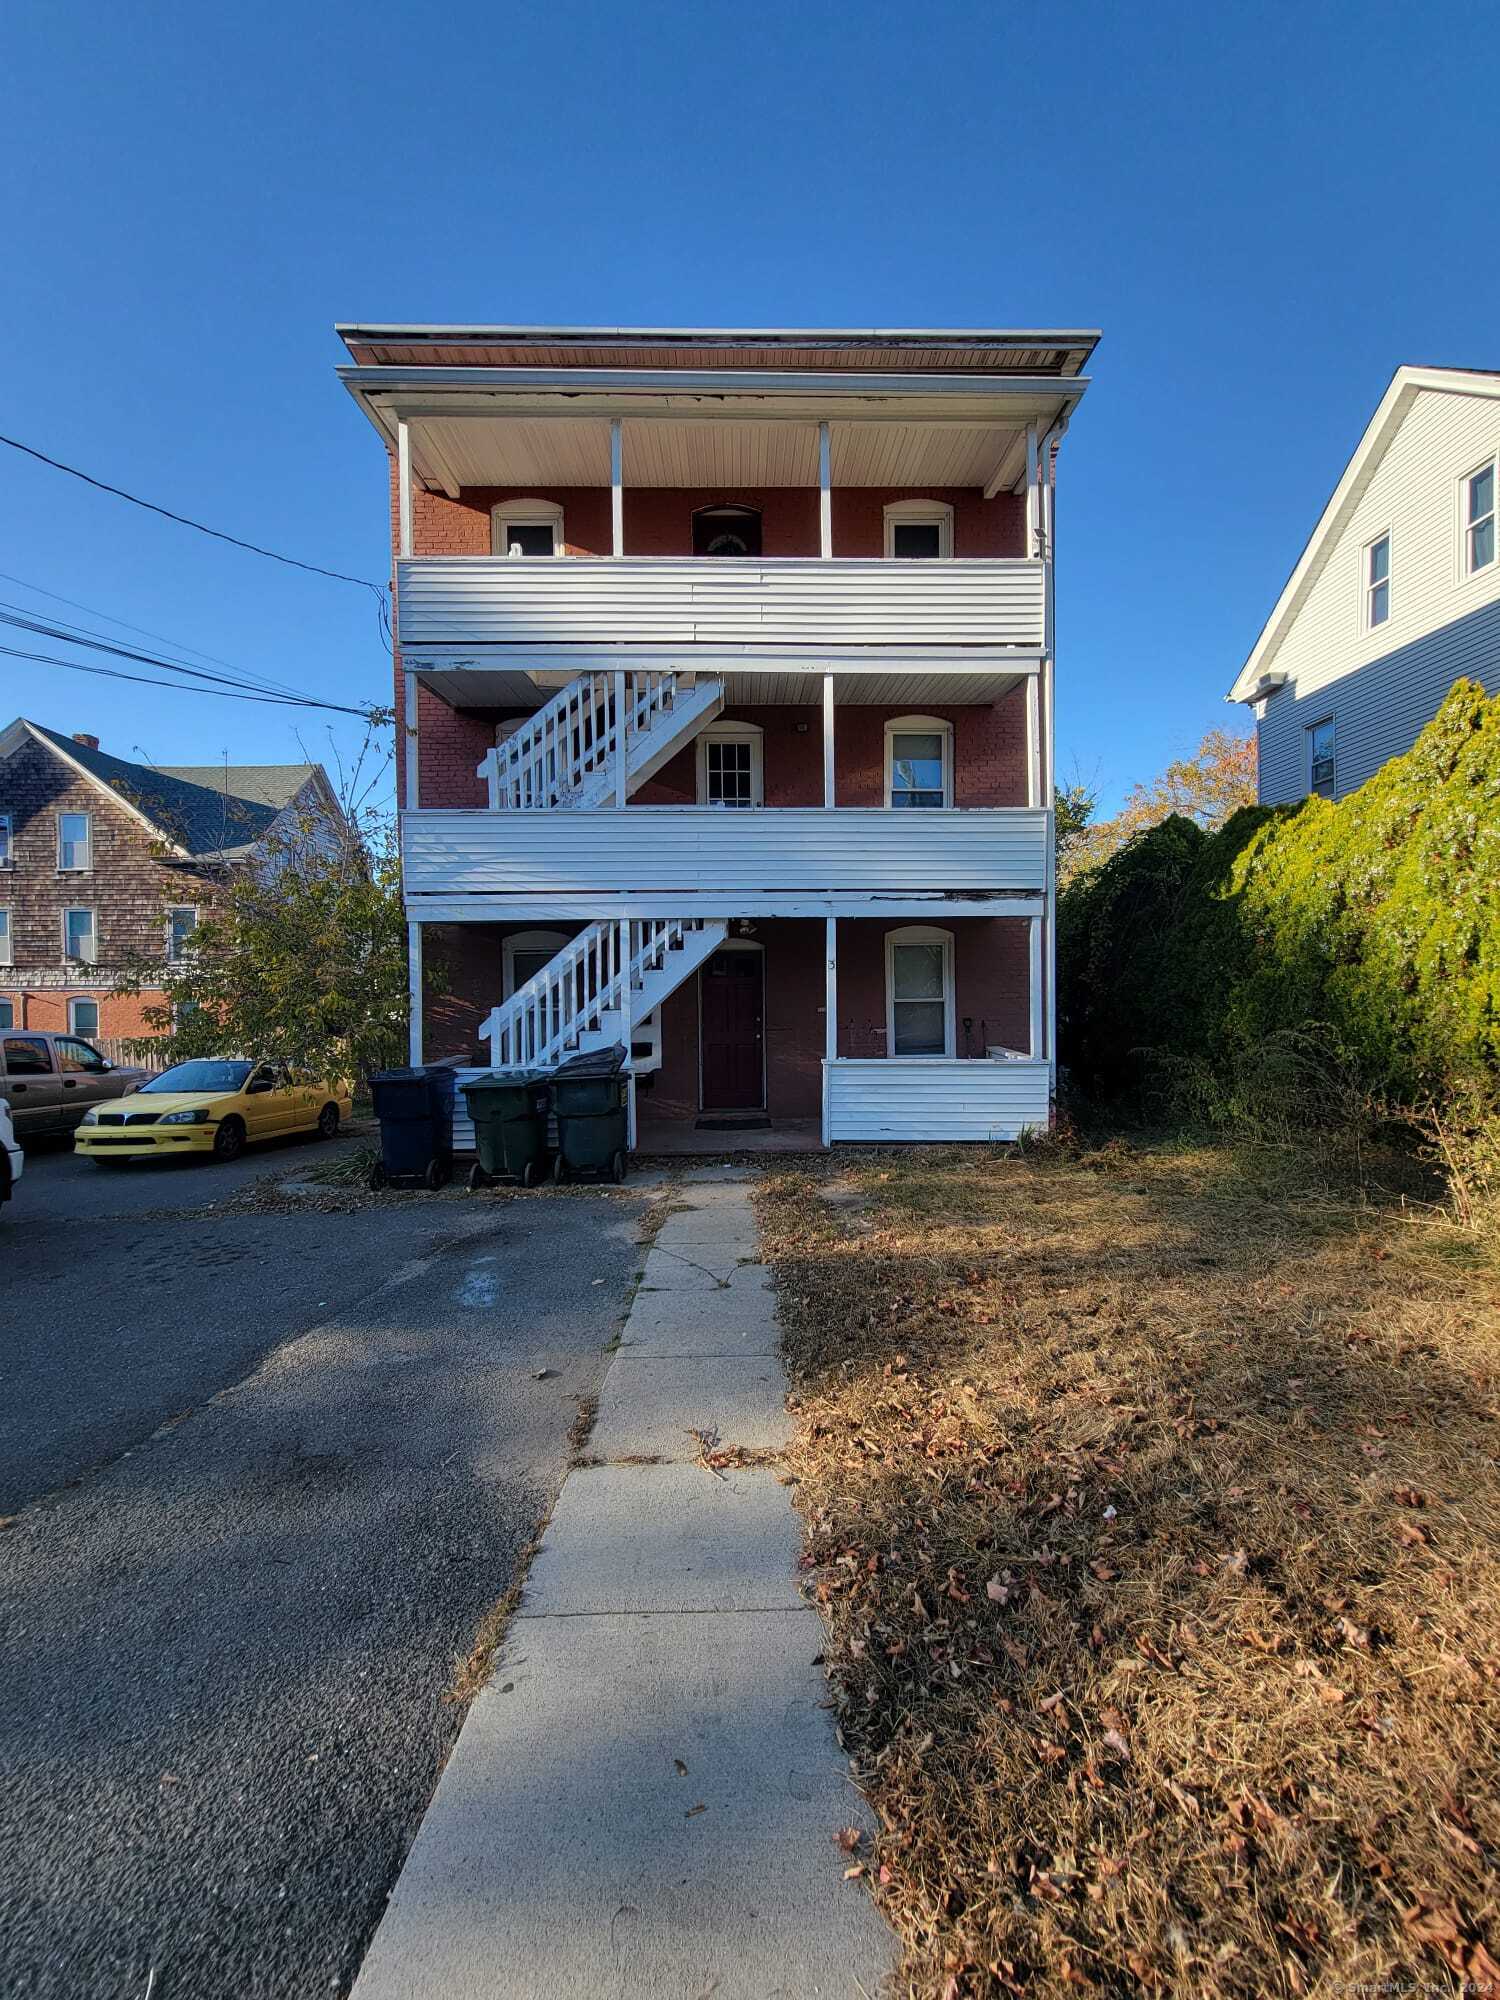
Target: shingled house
[{"x": 102, "y": 860}]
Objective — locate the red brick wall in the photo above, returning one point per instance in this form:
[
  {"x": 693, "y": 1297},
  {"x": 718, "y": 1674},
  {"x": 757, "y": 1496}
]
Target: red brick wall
[
  {"x": 991, "y": 973},
  {"x": 48, "y": 1009}
]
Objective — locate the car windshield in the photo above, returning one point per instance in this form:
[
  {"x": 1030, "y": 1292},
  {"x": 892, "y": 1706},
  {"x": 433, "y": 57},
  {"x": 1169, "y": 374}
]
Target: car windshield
[{"x": 203, "y": 1076}]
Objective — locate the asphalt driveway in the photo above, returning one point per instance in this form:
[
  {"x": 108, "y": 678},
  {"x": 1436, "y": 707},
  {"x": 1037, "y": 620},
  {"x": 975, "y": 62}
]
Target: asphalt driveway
[{"x": 266, "y": 1474}]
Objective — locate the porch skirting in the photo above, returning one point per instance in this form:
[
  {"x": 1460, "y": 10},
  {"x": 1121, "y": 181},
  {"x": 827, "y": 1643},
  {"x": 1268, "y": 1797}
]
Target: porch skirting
[{"x": 909, "y": 1100}]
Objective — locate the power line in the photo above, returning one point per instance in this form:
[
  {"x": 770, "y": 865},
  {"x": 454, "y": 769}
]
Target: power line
[
  {"x": 141, "y": 631},
  {"x": 186, "y": 521},
  {"x": 145, "y": 680},
  {"x": 97, "y": 643}
]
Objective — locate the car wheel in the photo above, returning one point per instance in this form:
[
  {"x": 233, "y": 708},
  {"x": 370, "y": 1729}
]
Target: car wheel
[
  {"x": 328, "y": 1122},
  {"x": 229, "y": 1140}
]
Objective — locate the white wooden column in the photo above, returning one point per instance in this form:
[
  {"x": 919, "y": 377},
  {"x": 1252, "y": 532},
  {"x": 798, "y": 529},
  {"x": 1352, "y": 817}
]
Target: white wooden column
[
  {"x": 622, "y": 789},
  {"x": 411, "y": 789},
  {"x": 830, "y": 787},
  {"x": 1033, "y": 494},
  {"x": 831, "y": 1021},
  {"x": 1033, "y": 742},
  {"x": 414, "y": 993},
  {"x": 825, "y": 493},
  {"x": 403, "y": 487},
  {"x": 616, "y": 487}
]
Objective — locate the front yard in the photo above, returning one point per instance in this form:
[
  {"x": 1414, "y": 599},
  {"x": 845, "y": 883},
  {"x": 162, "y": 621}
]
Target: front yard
[{"x": 1152, "y": 1503}]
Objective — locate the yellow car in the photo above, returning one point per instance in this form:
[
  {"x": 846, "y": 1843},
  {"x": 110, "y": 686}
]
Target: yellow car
[{"x": 217, "y": 1107}]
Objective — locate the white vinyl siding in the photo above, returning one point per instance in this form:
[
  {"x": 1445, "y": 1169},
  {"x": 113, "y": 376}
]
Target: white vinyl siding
[
  {"x": 791, "y": 607},
  {"x": 921, "y": 1101},
  {"x": 1444, "y": 622},
  {"x": 699, "y": 850}
]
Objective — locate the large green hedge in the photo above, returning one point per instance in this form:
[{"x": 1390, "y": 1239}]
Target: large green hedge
[{"x": 1376, "y": 920}]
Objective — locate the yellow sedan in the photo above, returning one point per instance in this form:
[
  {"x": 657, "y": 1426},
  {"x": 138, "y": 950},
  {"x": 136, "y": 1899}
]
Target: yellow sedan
[{"x": 214, "y": 1107}]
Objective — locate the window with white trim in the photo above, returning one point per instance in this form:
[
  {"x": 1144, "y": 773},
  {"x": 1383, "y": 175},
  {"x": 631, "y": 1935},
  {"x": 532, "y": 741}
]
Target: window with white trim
[
  {"x": 1377, "y": 582},
  {"x": 4, "y": 935},
  {"x": 83, "y": 1019},
  {"x": 918, "y": 762},
  {"x": 75, "y": 843},
  {"x": 181, "y": 923},
  {"x": 80, "y": 941},
  {"x": 919, "y": 991},
  {"x": 1479, "y": 519},
  {"x": 731, "y": 766},
  {"x": 918, "y": 529},
  {"x": 1320, "y": 758},
  {"x": 6, "y": 857},
  {"x": 526, "y": 528}
]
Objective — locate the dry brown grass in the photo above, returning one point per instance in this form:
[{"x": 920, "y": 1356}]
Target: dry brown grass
[{"x": 1152, "y": 1503}]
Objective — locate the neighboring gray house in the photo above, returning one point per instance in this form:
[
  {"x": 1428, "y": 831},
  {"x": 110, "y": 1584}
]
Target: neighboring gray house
[{"x": 1395, "y": 597}]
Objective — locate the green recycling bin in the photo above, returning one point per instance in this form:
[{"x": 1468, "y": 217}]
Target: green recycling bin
[
  {"x": 588, "y": 1095},
  {"x": 509, "y": 1109}
]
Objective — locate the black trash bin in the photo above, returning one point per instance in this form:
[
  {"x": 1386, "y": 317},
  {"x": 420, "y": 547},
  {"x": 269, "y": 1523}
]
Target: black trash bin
[
  {"x": 415, "y": 1109},
  {"x": 509, "y": 1108},
  {"x": 588, "y": 1095}
]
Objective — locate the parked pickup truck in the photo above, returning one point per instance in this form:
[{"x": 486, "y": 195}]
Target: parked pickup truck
[{"x": 49, "y": 1081}]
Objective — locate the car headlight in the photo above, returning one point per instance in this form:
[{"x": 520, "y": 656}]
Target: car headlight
[
  {"x": 197, "y": 1117},
  {"x": 89, "y": 1118}
]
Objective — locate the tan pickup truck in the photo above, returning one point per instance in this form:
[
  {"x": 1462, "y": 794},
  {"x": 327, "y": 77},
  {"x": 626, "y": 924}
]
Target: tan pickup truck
[{"x": 49, "y": 1081}]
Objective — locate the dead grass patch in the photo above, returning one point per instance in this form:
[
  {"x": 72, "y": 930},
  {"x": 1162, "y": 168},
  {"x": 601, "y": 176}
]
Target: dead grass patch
[{"x": 1152, "y": 1504}]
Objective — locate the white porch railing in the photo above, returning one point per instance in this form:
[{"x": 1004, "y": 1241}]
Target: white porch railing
[
  {"x": 790, "y": 608},
  {"x": 600, "y": 983},
  {"x": 909, "y": 1100}
]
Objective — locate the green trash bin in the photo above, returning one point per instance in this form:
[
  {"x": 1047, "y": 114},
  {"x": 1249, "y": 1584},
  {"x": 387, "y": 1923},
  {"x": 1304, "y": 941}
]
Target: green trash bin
[
  {"x": 589, "y": 1098},
  {"x": 509, "y": 1109}
]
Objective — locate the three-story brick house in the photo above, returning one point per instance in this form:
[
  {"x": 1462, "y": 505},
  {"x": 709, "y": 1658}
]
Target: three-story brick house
[
  {"x": 726, "y": 694},
  {"x": 105, "y": 861}
]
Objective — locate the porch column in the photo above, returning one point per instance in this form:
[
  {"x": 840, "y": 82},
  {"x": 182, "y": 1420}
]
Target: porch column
[
  {"x": 414, "y": 993},
  {"x": 1033, "y": 495},
  {"x": 622, "y": 790},
  {"x": 829, "y": 787},
  {"x": 616, "y": 487},
  {"x": 831, "y": 1022},
  {"x": 1033, "y": 743},
  {"x": 825, "y": 492},
  {"x": 411, "y": 791},
  {"x": 403, "y": 486}
]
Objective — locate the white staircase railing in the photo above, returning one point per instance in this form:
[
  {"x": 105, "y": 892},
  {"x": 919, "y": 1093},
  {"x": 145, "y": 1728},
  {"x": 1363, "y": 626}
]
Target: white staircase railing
[
  {"x": 575, "y": 737},
  {"x": 598, "y": 975}
]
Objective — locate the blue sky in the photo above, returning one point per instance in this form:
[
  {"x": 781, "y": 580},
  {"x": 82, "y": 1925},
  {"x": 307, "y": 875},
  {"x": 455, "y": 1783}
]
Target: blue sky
[{"x": 1266, "y": 209}]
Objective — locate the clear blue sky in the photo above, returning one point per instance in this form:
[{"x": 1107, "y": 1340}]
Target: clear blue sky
[{"x": 1265, "y": 209}]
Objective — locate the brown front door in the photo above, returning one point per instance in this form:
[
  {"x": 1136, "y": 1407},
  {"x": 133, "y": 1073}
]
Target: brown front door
[{"x": 732, "y": 989}]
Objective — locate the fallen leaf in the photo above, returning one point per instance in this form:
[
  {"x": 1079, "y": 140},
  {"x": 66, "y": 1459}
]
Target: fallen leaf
[
  {"x": 681, "y": 1767},
  {"x": 692, "y": 1810},
  {"x": 847, "y": 1839}
]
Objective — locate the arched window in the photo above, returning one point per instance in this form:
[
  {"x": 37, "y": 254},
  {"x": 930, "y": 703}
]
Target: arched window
[
  {"x": 919, "y": 1010},
  {"x": 726, "y": 531},
  {"x": 918, "y": 761},
  {"x": 526, "y": 528},
  {"x": 731, "y": 765},
  {"x": 918, "y": 528}
]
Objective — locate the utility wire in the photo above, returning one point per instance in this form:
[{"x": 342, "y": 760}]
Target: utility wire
[
  {"x": 141, "y": 631},
  {"x": 186, "y": 521},
  {"x": 96, "y": 643},
  {"x": 145, "y": 680}
]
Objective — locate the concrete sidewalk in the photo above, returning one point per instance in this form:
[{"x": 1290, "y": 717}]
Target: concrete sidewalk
[{"x": 644, "y": 1799}]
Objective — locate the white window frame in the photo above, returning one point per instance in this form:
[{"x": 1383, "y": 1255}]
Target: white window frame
[
  {"x": 918, "y": 725},
  {"x": 83, "y": 1000},
  {"x": 88, "y": 843},
  {"x": 921, "y": 934},
  {"x": 1490, "y": 465},
  {"x": 81, "y": 909},
  {"x": 7, "y": 936},
  {"x": 735, "y": 732},
  {"x": 7, "y": 853},
  {"x": 1329, "y": 721},
  {"x": 906, "y": 513},
  {"x": 525, "y": 514},
  {"x": 176, "y": 957},
  {"x": 550, "y": 942},
  {"x": 1368, "y": 588}
]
